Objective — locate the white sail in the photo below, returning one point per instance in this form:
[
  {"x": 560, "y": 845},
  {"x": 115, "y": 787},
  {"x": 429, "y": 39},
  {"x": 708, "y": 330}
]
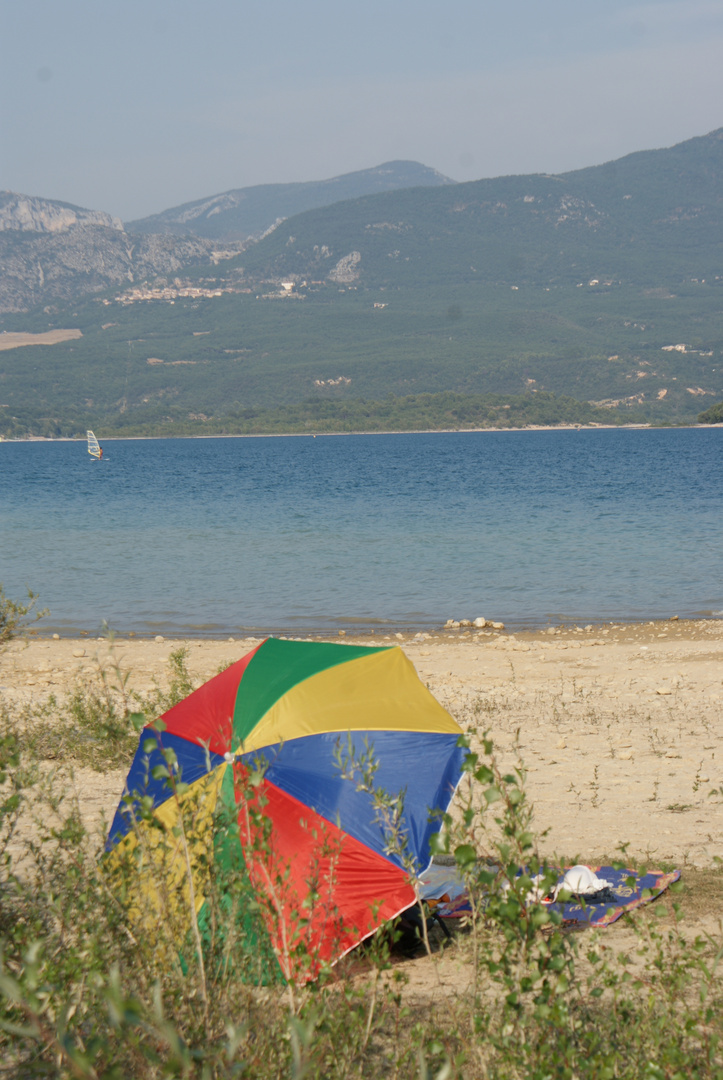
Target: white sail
[{"x": 93, "y": 445}]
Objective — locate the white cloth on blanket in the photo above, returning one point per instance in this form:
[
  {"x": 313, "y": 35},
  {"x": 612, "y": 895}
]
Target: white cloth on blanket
[{"x": 581, "y": 881}]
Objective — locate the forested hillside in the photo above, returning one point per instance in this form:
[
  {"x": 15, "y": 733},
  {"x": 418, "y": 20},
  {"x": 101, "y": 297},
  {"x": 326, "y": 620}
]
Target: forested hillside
[
  {"x": 651, "y": 218},
  {"x": 602, "y": 286}
]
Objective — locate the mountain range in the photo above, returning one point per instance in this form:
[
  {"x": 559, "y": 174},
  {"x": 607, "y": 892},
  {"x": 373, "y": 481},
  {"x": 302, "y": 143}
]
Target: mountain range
[
  {"x": 602, "y": 285},
  {"x": 53, "y": 252},
  {"x": 651, "y": 216},
  {"x": 249, "y": 212}
]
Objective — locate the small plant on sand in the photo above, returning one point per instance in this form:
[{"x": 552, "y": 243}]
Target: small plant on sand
[
  {"x": 697, "y": 779},
  {"x": 15, "y": 615},
  {"x": 180, "y": 683}
]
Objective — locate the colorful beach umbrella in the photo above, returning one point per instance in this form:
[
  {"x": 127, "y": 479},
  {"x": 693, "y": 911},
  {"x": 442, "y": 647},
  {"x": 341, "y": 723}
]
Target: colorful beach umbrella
[{"x": 326, "y": 764}]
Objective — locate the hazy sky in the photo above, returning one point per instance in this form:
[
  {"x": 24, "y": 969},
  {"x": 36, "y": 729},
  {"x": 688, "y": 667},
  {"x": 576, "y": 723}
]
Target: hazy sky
[{"x": 133, "y": 106}]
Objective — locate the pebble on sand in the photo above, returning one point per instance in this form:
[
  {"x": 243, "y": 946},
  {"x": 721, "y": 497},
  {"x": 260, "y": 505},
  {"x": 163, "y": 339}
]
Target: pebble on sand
[{"x": 479, "y": 623}]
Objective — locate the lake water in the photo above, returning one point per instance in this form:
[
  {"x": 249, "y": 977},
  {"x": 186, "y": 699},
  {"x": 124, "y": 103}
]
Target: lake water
[{"x": 215, "y": 536}]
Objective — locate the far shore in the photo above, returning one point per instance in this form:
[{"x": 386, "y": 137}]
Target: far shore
[{"x": 329, "y": 434}]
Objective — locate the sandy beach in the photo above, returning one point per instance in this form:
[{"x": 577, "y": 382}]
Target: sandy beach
[{"x": 619, "y": 725}]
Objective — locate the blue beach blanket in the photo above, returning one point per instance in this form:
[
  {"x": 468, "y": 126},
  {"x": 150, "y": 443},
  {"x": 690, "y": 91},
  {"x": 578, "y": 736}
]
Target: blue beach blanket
[{"x": 444, "y": 890}]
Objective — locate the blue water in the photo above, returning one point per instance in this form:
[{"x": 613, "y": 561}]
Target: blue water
[{"x": 215, "y": 536}]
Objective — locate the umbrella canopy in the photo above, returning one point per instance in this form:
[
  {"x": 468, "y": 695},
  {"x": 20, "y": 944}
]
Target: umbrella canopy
[{"x": 294, "y": 743}]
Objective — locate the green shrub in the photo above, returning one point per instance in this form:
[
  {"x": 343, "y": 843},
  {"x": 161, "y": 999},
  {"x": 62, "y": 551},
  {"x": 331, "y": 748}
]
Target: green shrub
[
  {"x": 14, "y": 615},
  {"x": 713, "y": 415}
]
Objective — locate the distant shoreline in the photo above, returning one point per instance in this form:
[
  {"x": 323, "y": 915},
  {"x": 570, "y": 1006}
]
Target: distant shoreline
[{"x": 333, "y": 434}]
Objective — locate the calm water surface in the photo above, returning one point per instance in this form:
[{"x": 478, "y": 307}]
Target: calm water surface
[{"x": 217, "y": 535}]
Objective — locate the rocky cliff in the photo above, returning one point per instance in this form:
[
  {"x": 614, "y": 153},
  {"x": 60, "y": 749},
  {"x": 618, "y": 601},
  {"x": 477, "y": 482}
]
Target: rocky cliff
[
  {"x": 26, "y": 213},
  {"x": 52, "y": 253}
]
